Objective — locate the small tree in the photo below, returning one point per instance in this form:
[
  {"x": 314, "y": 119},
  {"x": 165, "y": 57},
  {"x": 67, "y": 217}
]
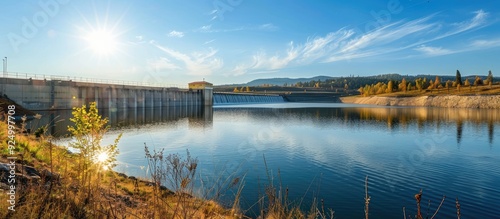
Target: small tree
[
  {"x": 478, "y": 81},
  {"x": 431, "y": 85},
  {"x": 360, "y": 90},
  {"x": 247, "y": 89},
  {"x": 437, "y": 82},
  {"x": 88, "y": 131},
  {"x": 458, "y": 78},
  {"x": 402, "y": 85},
  {"x": 490, "y": 77},
  {"x": 448, "y": 84},
  {"x": 390, "y": 87},
  {"x": 468, "y": 84},
  {"x": 419, "y": 83},
  {"x": 425, "y": 83},
  {"x": 235, "y": 90}
]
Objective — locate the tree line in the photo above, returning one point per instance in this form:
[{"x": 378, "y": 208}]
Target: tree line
[{"x": 424, "y": 84}]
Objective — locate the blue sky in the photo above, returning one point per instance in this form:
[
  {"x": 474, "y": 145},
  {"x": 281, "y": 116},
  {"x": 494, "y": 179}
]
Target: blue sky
[{"x": 235, "y": 41}]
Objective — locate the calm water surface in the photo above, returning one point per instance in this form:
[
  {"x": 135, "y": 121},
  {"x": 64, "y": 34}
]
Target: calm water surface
[{"x": 327, "y": 150}]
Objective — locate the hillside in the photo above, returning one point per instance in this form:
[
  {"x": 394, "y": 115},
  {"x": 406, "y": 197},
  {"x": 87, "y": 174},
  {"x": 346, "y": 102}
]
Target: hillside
[
  {"x": 353, "y": 82},
  {"x": 282, "y": 81}
]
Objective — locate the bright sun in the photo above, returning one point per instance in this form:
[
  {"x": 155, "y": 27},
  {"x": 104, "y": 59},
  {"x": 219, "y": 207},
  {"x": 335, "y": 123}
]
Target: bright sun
[
  {"x": 102, "y": 157},
  {"x": 102, "y": 42}
]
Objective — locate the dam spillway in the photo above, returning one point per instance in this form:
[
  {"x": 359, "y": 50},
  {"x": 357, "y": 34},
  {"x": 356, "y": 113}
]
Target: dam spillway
[{"x": 232, "y": 98}]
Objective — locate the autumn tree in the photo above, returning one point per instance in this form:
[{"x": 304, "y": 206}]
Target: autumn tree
[
  {"x": 402, "y": 85},
  {"x": 360, "y": 90},
  {"x": 425, "y": 83},
  {"x": 437, "y": 82},
  {"x": 468, "y": 84},
  {"x": 478, "y": 81},
  {"x": 419, "y": 83},
  {"x": 390, "y": 87},
  {"x": 448, "y": 84},
  {"x": 431, "y": 85}
]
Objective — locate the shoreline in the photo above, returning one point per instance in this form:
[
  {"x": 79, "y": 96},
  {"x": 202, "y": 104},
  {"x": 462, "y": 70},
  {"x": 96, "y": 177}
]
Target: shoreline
[{"x": 445, "y": 101}]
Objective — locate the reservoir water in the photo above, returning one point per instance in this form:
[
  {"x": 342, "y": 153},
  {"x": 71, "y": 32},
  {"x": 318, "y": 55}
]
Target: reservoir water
[{"x": 327, "y": 150}]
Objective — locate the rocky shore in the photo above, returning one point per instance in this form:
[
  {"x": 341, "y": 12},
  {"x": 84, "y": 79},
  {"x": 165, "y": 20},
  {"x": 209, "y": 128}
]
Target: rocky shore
[{"x": 451, "y": 101}]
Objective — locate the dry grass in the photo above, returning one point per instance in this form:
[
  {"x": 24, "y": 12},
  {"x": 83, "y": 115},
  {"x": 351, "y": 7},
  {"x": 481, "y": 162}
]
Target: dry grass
[{"x": 113, "y": 195}]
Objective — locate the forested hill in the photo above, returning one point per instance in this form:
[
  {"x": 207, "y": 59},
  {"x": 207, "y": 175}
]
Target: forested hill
[
  {"x": 285, "y": 81},
  {"x": 352, "y": 82}
]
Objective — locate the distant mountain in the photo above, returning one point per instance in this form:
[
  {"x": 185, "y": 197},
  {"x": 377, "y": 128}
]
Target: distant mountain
[{"x": 281, "y": 81}]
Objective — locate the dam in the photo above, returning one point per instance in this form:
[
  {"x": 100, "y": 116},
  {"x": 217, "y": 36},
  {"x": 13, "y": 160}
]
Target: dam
[{"x": 40, "y": 92}]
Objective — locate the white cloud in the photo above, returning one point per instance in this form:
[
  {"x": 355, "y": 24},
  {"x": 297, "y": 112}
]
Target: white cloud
[
  {"x": 208, "y": 42},
  {"x": 347, "y": 44},
  {"x": 320, "y": 46},
  {"x": 262, "y": 27},
  {"x": 269, "y": 27},
  {"x": 263, "y": 61},
  {"x": 198, "y": 63},
  {"x": 206, "y": 27},
  {"x": 433, "y": 51},
  {"x": 486, "y": 43},
  {"x": 478, "y": 20},
  {"x": 174, "y": 33},
  {"x": 162, "y": 64}
]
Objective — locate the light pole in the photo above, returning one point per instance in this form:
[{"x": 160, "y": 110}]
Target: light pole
[{"x": 5, "y": 67}]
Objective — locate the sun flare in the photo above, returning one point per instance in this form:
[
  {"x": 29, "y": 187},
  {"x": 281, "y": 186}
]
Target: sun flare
[
  {"x": 102, "y": 157},
  {"x": 102, "y": 42}
]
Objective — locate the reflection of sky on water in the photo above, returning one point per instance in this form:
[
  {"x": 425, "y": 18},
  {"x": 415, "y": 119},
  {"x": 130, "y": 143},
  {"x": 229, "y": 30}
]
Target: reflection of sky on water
[{"x": 444, "y": 151}]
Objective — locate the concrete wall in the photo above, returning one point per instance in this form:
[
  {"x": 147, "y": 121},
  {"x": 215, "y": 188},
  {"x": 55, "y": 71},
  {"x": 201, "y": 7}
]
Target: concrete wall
[{"x": 60, "y": 94}]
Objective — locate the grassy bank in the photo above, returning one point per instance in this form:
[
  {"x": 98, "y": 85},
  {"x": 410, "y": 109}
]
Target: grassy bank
[
  {"x": 487, "y": 97},
  {"x": 48, "y": 187}
]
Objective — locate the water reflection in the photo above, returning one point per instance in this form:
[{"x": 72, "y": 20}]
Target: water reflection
[
  {"x": 443, "y": 151},
  {"x": 394, "y": 118},
  {"x": 459, "y": 130},
  {"x": 490, "y": 131},
  {"x": 58, "y": 120}
]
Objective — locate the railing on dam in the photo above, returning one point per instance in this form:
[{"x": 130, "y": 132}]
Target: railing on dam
[
  {"x": 19, "y": 75},
  {"x": 231, "y": 98}
]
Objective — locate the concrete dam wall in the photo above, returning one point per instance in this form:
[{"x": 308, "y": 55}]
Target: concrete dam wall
[{"x": 38, "y": 94}]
